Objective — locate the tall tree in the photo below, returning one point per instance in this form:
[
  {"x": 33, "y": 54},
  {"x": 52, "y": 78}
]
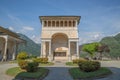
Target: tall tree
[
  {"x": 102, "y": 48},
  {"x": 91, "y": 48}
]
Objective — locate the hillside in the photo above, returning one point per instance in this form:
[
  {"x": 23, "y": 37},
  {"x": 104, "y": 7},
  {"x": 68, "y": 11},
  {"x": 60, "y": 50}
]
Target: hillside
[
  {"x": 114, "y": 44},
  {"x": 30, "y": 47}
]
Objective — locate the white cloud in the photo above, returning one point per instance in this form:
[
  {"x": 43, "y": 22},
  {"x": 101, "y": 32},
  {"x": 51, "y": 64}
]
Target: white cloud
[
  {"x": 28, "y": 28},
  {"x": 88, "y": 37},
  {"x": 36, "y": 39},
  {"x": 11, "y": 28}
]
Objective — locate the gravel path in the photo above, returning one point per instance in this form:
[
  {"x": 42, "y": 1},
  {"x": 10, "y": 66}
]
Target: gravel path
[
  {"x": 114, "y": 66},
  {"x": 3, "y": 68}
]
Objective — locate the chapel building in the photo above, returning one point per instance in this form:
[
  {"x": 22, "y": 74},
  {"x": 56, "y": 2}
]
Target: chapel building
[{"x": 59, "y": 37}]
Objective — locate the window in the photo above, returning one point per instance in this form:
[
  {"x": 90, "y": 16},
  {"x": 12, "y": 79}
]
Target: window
[
  {"x": 53, "y": 23},
  {"x": 73, "y": 23},
  {"x": 69, "y": 23},
  {"x": 66, "y": 23},
  {"x": 45, "y": 23},
  {"x": 57, "y": 23},
  {"x": 49, "y": 23},
  {"x": 61, "y": 23}
]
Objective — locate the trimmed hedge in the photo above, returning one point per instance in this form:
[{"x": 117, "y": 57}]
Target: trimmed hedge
[
  {"x": 76, "y": 61},
  {"x": 89, "y": 66},
  {"x": 41, "y": 60}
]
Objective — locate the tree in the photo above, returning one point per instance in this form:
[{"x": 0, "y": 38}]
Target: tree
[
  {"x": 102, "y": 48},
  {"x": 91, "y": 48}
]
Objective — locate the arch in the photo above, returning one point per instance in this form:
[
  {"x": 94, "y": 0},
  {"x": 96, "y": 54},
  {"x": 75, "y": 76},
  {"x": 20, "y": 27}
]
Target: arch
[
  {"x": 58, "y": 34},
  {"x": 59, "y": 43}
]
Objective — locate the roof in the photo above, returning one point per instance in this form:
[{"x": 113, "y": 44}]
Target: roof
[
  {"x": 5, "y": 31},
  {"x": 60, "y": 17}
]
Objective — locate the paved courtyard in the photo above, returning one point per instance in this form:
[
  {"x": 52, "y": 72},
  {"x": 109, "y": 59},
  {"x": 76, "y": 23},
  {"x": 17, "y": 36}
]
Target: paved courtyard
[{"x": 59, "y": 71}]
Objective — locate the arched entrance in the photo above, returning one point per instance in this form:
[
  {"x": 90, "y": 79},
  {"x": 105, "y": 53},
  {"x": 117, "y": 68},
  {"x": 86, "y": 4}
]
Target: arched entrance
[{"x": 59, "y": 46}]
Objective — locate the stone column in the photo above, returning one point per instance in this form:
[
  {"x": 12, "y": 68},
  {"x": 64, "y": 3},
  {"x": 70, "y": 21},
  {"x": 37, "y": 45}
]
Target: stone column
[
  {"x": 77, "y": 50},
  {"x": 69, "y": 55},
  {"x": 42, "y": 23},
  {"x": 5, "y": 49},
  {"x": 50, "y": 51},
  {"x": 44, "y": 49},
  {"x": 76, "y": 23},
  {"x": 14, "y": 51},
  {"x": 41, "y": 55}
]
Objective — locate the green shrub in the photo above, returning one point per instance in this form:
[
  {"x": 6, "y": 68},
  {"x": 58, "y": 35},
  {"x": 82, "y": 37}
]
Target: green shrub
[
  {"x": 32, "y": 67},
  {"x": 76, "y": 61},
  {"x": 32, "y": 56},
  {"x": 23, "y": 64},
  {"x": 38, "y": 60},
  {"x": 44, "y": 60},
  {"x": 89, "y": 66},
  {"x": 41, "y": 60},
  {"x": 22, "y": 56}
]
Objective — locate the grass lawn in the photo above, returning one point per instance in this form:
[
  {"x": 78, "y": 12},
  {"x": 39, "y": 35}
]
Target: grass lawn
[
  {"x": 21, "y": 74},
  {"x": 71, "y": 64},
  {"x": 77, "y": 74}
]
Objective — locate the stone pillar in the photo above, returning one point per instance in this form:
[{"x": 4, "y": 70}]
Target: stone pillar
[
  {"x": 76, "y": 23},
  {"x": 44, "y": 49},
  {"x": 77, "y": 50},
  {"x": 14, "y": 51},
  {"x": 50, "y": 51},
  {"x": 69, "y": 55},
  {"x": 41, "y": 55},
  {"x": 5, "y": 49},
  {"x": 42, "y": 23}
]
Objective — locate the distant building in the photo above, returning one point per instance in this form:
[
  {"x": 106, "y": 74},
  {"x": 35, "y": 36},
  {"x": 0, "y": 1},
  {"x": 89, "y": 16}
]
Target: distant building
[
  {"x": 8, "y": 44},
  {"x": 59, "y": 37}
]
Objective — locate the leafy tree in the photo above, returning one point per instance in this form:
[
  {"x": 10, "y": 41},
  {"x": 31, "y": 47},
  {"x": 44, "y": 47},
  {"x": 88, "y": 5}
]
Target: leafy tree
[
  {"x": 91, "y": 48},
  {"x": 102, "y": 48}
]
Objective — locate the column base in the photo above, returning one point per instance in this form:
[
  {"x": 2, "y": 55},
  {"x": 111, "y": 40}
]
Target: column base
[
  {"x": 49, "y": 58},
  {"x": 69, "y": 58},
  {"x": 77, "y": 57}
]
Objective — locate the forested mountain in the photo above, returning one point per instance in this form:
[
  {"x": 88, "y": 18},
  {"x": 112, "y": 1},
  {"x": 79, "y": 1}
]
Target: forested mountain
[
  {"x": 30, "y": 47},
  {"x": 114, "y": 44}
]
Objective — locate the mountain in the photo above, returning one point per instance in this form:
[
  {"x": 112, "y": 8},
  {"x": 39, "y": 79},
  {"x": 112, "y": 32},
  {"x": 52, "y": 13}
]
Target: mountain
[
  {"x": 30, "y": 46},
  {"x": 114, "y": 44}
]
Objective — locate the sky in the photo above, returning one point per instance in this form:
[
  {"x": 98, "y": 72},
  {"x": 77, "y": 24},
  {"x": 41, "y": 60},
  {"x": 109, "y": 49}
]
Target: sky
[{"x": 99, "y": 18}]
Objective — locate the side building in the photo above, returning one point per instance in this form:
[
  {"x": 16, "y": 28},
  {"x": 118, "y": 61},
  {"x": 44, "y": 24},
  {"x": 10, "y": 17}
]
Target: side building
[{"x": 9, "y": 42}]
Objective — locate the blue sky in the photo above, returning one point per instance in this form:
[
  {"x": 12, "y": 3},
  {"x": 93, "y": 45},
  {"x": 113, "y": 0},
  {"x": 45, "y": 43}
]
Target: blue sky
[{"x": 99, "y": 18}]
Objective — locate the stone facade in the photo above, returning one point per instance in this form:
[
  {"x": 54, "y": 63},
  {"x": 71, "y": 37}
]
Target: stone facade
[{"x": 59, "y": 37}]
